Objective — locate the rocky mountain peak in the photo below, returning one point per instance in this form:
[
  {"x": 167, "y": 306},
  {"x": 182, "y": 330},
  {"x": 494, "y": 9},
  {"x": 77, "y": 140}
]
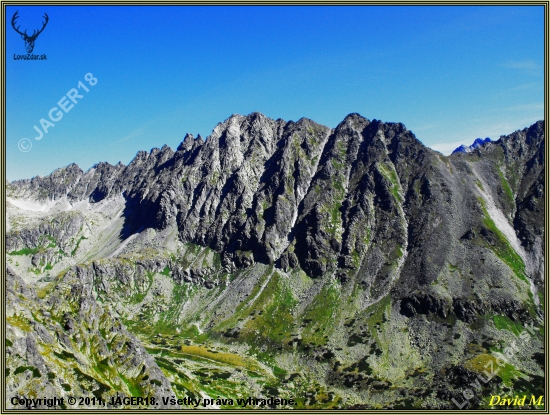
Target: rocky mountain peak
[
  {"x": 478, "y": 142},
  {"x": 187, "y": 143}
]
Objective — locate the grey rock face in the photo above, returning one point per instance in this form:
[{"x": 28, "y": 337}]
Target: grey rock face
[{"x": 361, "y": 200}]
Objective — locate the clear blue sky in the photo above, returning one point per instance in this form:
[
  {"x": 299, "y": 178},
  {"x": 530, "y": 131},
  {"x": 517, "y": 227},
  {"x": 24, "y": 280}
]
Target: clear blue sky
[{"x": 450, "y": 74}]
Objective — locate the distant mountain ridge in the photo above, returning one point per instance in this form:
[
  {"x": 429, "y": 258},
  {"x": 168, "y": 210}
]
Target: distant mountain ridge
[{"x": 478, "y": 142}]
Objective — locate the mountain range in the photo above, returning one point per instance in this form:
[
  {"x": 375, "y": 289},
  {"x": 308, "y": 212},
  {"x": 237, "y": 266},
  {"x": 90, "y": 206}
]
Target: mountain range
[
  {"x": 478, "y": 142},
  {"x": 346, "y": 267}
]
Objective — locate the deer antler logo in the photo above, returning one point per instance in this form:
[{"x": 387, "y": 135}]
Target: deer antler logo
[{"x": 29, "y": 40}]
